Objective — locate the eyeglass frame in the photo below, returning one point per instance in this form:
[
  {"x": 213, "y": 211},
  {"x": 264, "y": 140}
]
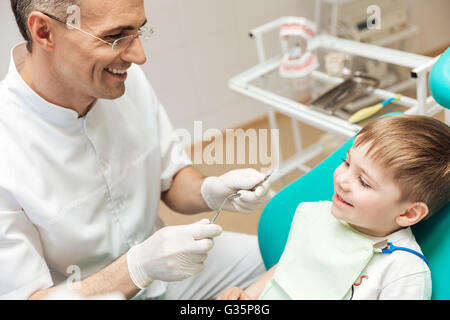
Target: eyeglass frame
[{"x": 147, "y": 32}]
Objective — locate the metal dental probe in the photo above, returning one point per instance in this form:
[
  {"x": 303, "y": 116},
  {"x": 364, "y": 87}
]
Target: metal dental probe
[
  {"x": 230, "y": 197},
  {"x": 237, "y": 195}
]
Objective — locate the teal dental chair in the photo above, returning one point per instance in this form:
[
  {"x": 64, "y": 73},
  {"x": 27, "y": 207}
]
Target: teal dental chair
[{"x": 439, "y": 80}]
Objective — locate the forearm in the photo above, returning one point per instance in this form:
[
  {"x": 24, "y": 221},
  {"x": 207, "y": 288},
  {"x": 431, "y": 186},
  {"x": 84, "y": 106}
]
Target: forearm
[
  {"x": 113, "y": 278},
  {"x": 258, "y": 286},
  {"x": 184, "y": 195}
]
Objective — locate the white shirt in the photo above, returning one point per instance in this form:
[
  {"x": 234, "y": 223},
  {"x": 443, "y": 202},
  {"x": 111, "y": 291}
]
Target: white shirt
[
  {"x": 77, "y": 192},
  {"x": 399, "y": 275}
]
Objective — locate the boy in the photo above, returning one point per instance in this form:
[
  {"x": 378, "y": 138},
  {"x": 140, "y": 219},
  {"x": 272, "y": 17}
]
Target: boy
[{"x": 396, "y": 174}]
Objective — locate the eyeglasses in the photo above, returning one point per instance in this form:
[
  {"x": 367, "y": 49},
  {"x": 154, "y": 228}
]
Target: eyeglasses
[{"x": 120, "y": 44}]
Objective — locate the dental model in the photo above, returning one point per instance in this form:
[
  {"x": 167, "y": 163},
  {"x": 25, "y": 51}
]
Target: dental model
[{"x": 298, "y": 62}]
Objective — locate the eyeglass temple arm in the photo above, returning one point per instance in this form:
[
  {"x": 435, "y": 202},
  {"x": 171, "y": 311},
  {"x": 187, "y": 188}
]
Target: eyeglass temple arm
[{"x": 74, "y": 27}]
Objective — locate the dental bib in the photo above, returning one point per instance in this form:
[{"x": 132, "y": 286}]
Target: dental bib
[{"x": 322, "y": 259}]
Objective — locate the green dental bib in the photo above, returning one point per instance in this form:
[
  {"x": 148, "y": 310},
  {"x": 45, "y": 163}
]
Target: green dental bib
[{"x": 322, "y": 259}]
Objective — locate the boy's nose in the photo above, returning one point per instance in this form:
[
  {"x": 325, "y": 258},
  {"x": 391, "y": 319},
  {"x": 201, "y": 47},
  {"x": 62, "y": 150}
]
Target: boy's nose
[{"x": 342, "y": 182}]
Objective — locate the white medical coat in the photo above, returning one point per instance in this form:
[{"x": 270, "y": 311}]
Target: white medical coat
[{"x": 77, "y": 192}]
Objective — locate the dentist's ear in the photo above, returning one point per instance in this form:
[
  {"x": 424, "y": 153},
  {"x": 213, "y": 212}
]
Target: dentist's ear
[
  {"x": 413, "y": 214},
  {"x": 41, "y": 31}
]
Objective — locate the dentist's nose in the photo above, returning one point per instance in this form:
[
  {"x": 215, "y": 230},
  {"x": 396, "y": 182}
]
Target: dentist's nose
[{"x": 135, "y": 53}]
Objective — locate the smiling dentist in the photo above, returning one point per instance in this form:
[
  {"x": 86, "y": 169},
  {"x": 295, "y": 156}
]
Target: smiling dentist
[{"x": 87, "y": 155}]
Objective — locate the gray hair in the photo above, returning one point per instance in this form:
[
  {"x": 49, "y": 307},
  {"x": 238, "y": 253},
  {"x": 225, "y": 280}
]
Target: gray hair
[{"x": 23, "y": 8}]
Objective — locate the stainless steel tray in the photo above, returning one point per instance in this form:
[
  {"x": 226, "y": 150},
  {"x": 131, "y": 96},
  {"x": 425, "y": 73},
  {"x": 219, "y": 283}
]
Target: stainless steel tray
[{"x": 338, "y": 97}]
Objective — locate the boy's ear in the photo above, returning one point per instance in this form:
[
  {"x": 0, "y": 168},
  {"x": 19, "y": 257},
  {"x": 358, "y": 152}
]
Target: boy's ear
[{"x": 413, "y": 214}]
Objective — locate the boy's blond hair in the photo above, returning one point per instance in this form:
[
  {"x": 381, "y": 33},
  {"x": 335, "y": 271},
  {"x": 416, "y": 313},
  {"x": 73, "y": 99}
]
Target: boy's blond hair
[{"x": 416, "y": 151}]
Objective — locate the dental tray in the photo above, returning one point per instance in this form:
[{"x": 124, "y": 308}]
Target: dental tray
[{"x": 338, "y": 97}]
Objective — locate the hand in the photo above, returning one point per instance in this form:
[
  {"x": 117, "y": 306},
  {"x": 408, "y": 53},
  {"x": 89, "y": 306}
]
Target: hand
[
  {"x": 172, "y": 253},
  {"x": 215, "y": 189},
  {"x": 234, "y": 293}
]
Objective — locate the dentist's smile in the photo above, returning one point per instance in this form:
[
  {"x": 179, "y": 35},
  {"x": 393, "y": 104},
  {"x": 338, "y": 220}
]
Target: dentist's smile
[{"x": 117, "y": 73}]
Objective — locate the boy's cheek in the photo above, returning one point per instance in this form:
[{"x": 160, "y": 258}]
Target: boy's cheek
[
  {"x": 361, "y": 204},
  {"x": 366, "y": 210}
]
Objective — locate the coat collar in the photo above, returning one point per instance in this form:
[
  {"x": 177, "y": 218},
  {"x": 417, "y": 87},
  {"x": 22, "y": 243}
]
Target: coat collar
[{"x": 25, "y": 97}]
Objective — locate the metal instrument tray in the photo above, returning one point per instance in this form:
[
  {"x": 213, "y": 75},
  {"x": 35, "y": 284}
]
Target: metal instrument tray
[{"x": 338, "y": 97}]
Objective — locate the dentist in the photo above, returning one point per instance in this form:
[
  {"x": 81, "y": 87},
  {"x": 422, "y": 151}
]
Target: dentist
[{"x": 87, "y": 155}]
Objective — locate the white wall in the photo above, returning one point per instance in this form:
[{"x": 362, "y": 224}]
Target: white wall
[
  {"x": 200, "y": 44},
  {"x": 433, "y": 19},
  {"x": 11, "y": 35}
]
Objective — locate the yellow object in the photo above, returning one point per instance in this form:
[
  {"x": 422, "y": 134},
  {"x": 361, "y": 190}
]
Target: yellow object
[{"x": 370, "y": 111}]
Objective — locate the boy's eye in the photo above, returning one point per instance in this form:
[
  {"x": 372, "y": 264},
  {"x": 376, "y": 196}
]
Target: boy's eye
[
  {"x": 365, "y": 185},
  {"x": 361, "y": 181}
]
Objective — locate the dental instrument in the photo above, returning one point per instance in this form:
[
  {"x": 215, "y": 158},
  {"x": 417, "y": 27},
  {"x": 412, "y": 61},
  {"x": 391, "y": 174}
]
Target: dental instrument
[
  {"x": 237, "y": 195},
  {"x": 339, "y": 96},
  {"x": 230, "y": 197}
]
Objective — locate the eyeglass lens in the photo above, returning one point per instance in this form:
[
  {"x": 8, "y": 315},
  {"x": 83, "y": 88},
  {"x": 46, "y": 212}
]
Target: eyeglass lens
[{"x": 125, "y": 42}]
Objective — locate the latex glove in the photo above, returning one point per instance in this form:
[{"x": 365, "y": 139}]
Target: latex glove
[
  {"x": 172, "y": 253},
  {"x": 215, "y": 189}
]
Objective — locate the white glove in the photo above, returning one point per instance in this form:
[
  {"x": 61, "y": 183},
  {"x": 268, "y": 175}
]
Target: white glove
[
  {"x": 172, "y": 253},
  {"x": 215, "y": 189}
]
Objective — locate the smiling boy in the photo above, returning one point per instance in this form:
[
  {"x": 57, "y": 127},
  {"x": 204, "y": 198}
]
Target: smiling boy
[{"x": 396, "y": 174}]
